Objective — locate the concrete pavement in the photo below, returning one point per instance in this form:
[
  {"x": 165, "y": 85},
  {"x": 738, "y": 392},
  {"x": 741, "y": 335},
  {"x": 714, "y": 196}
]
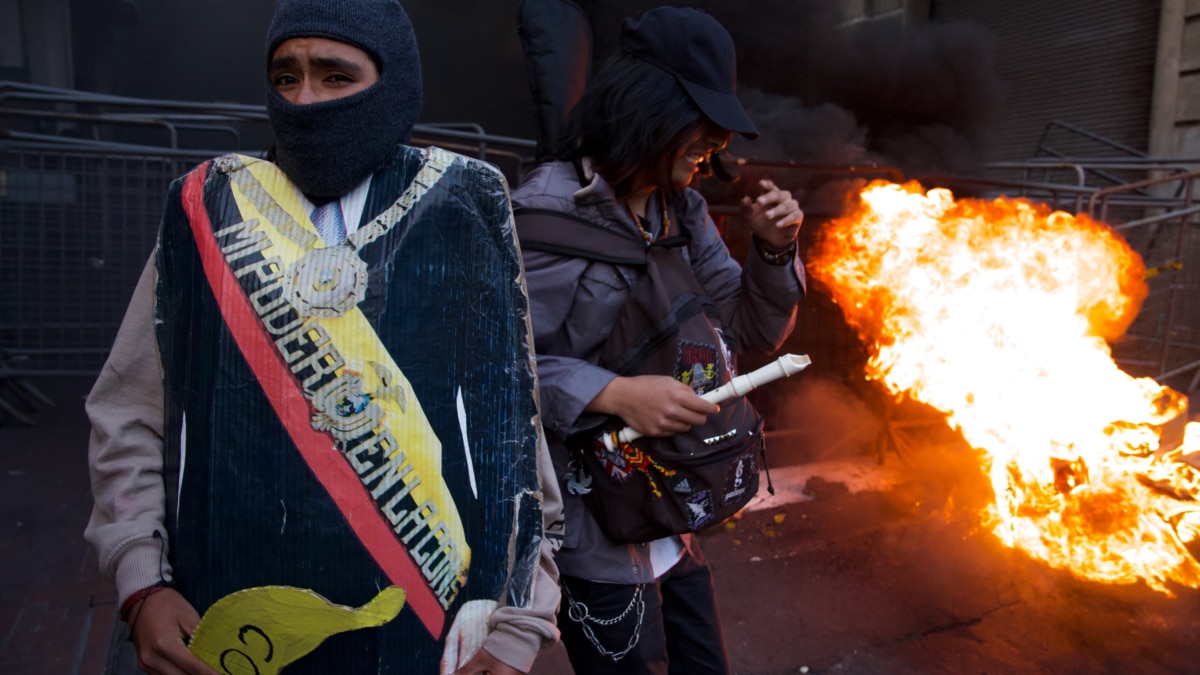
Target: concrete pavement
[{"x": 853, "y": 567}]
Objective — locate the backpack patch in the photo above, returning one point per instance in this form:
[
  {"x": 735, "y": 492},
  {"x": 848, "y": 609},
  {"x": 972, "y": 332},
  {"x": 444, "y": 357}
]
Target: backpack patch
[
  {"x": 700, "y": 509},
  {"x": 698, "y": 366},
  {"x": 737, "y": 481}
]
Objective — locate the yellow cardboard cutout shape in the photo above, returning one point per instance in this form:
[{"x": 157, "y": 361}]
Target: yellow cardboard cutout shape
[{"x": 261, "y": 630}]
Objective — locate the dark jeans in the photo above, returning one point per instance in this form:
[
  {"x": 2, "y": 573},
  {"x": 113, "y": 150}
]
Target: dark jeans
[{"x": 677, "y": 629}]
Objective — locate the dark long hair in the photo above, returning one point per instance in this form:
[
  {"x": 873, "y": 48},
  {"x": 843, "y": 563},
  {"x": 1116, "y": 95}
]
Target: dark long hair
[{"x": 632, "y": 121}]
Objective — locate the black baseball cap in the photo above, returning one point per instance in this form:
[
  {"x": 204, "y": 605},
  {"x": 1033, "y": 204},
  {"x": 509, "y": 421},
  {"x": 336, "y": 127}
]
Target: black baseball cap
[{"x": 698, "y": 51}]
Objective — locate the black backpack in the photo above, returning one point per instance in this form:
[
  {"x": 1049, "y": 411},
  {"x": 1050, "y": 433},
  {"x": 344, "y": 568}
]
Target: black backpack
[{"x": 655, "y": 487}]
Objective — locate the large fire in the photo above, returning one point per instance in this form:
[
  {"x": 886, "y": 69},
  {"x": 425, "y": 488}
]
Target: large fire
[{"x": 999, "y": 314}]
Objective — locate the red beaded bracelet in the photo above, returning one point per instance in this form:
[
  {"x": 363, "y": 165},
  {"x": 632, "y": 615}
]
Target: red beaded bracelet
[{"x": 139, "y": 597}]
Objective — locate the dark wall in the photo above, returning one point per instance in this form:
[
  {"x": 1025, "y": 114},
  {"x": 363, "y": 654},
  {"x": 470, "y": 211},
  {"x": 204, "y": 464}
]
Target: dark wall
[
  {"x": 915, "y": 94},
  {"x": 920, "y": 96},
  {"x": 212, "y": 50}
]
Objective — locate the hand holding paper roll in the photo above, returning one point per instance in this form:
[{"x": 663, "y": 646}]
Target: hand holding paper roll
[{"x": 785, "y": 366}]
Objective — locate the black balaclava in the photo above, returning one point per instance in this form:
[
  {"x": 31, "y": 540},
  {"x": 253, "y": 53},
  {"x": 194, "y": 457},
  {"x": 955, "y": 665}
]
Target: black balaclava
[{"x": 328, "y": 148}]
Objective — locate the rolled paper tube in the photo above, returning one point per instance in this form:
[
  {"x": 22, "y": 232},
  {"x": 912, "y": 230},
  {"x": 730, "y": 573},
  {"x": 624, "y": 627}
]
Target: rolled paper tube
[{"x": 784, "y": 366}]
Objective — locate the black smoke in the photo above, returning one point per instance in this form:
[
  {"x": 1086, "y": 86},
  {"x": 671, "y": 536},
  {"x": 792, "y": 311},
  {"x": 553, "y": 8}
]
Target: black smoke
[
  {"x": 892, "y": 91},
  {"x": 825, "y": 89}
]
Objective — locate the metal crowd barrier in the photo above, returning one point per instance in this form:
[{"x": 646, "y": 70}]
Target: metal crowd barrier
[
  {"x": 1154, "y": 205},
  {"x": 80, "y": 205},
  {"x": 76, "y": 227},
  {"x": 77, "y": 223},
  {"x": 1164, "y": 340},
  {"x": 79, "y": 213}
]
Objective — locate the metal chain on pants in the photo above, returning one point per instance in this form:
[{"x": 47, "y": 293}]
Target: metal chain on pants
[{"x": 579, "y": 613}]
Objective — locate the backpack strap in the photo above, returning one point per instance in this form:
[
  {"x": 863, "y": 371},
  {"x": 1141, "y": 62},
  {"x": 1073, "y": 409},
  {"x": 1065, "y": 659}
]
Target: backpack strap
[{"x": 566, "y": 234}]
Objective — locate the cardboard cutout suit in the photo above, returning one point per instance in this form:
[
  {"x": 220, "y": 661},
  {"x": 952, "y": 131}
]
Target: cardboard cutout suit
[{"x": 344, "y": 419}]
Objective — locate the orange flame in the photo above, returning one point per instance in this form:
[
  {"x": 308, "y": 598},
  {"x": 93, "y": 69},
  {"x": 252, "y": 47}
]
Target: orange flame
[{"x": 998, "y": 314}]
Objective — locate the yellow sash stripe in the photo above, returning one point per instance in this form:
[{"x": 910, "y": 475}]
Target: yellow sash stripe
[{"x": 362, "y": 351}]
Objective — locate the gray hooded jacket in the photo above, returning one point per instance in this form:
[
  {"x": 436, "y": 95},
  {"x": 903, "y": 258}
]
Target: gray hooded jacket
[{"x": 575, "y": 303}]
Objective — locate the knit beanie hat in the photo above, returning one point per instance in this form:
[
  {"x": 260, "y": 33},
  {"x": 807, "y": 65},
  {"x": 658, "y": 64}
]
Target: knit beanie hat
[{"x": 328, "y": 148}]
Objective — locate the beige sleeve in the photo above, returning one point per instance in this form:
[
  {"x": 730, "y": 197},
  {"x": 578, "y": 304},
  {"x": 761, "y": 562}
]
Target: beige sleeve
[
  {"x": 125, "y": 455},
  {"x": 518, "y": 633}
]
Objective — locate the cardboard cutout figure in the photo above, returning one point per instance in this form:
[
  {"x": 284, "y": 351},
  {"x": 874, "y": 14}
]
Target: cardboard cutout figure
[{"x": 346, "y": 418}]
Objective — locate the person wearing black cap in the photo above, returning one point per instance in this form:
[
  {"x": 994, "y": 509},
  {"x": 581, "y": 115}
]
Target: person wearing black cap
[
  {"x": 324, "y": 381},
  {"x": 639, "y": 135}
]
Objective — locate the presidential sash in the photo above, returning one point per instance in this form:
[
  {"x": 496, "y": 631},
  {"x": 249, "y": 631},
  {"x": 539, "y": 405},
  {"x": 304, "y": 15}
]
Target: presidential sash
[{"x": 290, "y": 303}]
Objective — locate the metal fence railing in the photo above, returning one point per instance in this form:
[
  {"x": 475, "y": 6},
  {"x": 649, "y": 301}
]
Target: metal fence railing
[
  {"x": 83, "y": 182},
  {"x": 80, "y": 203},
  {"x": 1164, "y": 340},
  {"x": 1154, "y": 203},
  {"x": 76, "y": 228}
]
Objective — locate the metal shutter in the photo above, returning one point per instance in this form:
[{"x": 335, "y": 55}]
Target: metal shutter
[{"x": 1089, "y": 63}]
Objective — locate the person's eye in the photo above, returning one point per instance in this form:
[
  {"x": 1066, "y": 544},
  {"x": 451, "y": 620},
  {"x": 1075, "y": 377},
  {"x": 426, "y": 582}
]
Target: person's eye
[
  {"x": 340, "y": 78},
  {"x": 284, "y": 80}
]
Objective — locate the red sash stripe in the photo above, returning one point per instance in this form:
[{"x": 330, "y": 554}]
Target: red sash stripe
[{"x": 293, "y": 409}]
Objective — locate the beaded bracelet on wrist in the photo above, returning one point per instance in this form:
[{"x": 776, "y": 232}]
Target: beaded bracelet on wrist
[
  {"x": 777, "y": 258},
  {"x": 138, "y": 597}
]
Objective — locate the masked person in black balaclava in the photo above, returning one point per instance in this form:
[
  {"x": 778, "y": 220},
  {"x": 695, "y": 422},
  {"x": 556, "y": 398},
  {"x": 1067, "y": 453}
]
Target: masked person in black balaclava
[
  {"x": 324, "y": 385},
  {"x": 328, "y": 144}
]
